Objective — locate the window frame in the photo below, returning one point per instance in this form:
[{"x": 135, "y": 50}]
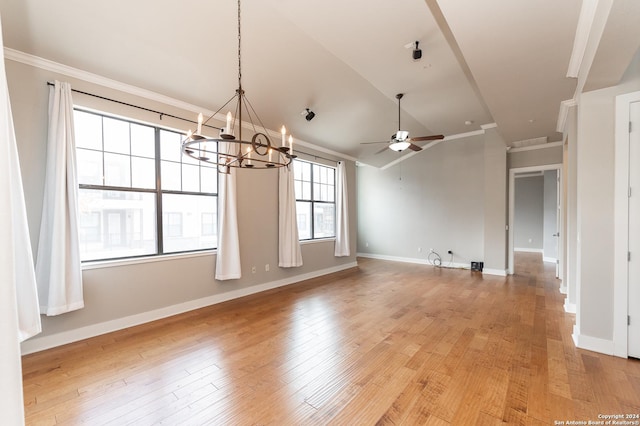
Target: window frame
[
  {"x": 312, "y": 201},
  {"x": 157, "y": 191}
]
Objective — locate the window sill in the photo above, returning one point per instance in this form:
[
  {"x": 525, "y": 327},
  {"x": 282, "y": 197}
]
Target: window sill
[
  {"x": 317, "y": 240},
  {"x": 100, "y": 264}
]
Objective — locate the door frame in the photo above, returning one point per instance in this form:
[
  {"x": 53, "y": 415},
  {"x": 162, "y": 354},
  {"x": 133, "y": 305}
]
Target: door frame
[
  {"x": 621, "y": 224},
  {"x": 512, "y": 188}
]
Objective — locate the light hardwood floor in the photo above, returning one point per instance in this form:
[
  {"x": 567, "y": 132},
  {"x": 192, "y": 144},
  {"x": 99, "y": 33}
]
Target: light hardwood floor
[{"x": 386, "y": 343}]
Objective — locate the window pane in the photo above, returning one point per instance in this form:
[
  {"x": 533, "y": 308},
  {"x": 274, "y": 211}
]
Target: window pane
[
  {"x": 190, "y": 178},
  {"x": 88, "y": 130},
  {"x": 117, "y": 170},
  {"x": 89, "y": 165},
  {"x": 303, "y": 213},
  {"x": 116, "y": 135},
  {"x": 143, "y": 141},
  {"x": 170, "y": 174},
  {"x": 116, "y": 224},
  {"x": 209, "y": 224},
  {"x": 306, "y": 190},
  {"x": 209, "y": 179},
  {"x": 143, "y": 173},
  {"x": 331, "y": 176},
  {"x": 170, "y": 146},
  {"x": 317, "y": 175},
  {"x": 197, "y": 215},
  {"x": 306, "y": 171},
  {"x": 324, "y": 220}
]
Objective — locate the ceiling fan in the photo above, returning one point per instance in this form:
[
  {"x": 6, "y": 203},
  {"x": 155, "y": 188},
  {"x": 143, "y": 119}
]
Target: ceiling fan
[{"x": 401, "y": 140}]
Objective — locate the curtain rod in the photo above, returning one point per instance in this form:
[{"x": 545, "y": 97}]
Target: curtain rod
[
  {"x": 317, "y": 156},
  {"x": 162, "y": 114}
]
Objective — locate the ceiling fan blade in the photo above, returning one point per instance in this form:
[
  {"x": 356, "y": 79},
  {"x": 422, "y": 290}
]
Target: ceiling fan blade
[
  {"x": 382, "y": 150},
  {"x": 415, "y": 147},
  {"x": 426, "y": 138}
]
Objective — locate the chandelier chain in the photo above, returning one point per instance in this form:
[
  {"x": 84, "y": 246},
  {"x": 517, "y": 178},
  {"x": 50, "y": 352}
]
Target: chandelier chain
[{"x": 239, "y": 52}]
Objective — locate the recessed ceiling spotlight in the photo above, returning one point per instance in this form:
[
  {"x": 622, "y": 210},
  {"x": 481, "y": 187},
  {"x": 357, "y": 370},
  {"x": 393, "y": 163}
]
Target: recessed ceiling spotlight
[
  {"x": 469, "y": 122},
  {"x": 531, "y": 120}
]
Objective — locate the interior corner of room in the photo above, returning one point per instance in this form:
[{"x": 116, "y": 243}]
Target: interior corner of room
[{"x": 558, "y": 184}]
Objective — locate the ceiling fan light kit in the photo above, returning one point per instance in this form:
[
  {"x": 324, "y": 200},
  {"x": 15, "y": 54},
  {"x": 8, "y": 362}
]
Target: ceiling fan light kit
[{"x": 399, "y": 146}]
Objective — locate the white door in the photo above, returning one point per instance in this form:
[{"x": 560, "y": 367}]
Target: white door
[
  {"x": 558, "y": 217},
  {"x": 634, "y": 231}
]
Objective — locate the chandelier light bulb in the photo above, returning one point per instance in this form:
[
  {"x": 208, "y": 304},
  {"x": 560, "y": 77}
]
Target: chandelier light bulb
[{"x": 199, "y": 130}]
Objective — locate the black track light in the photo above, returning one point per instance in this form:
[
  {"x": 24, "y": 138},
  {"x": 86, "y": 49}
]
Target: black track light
[{"x": 308, "y": 114}]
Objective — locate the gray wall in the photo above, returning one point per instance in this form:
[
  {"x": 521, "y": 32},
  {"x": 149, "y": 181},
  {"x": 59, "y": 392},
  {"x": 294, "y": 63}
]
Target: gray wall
[
  {"x": 437, "y": 199},
  {"x": 115, "y": 293},
  {"x": 495, "y": 201},
  {"x": 535, "y": 157},
  {"x": 571, "y": 238},
  {"x": 528, "y": 213},
  {"x": 550, "y": 216}
]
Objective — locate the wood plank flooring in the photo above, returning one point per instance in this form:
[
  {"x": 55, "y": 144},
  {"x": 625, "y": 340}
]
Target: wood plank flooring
[{"x": 386, "y": 343}]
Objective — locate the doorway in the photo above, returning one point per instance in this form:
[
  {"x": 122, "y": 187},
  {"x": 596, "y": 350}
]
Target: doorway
[{"x": 549, "y": 219}]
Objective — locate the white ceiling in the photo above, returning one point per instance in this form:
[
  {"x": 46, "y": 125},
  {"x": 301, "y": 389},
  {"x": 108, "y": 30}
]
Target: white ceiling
[{"x": 490, "y": 61}]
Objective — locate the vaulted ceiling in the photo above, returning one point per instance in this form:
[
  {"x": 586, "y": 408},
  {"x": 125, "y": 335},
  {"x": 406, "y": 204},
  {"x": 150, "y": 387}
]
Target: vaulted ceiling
[{"x": 484, "y": 62}]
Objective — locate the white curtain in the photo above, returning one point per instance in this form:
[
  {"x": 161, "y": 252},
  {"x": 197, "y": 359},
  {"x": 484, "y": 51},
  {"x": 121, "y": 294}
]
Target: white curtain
[
  {"x": 342, "y": 212},
  {"x": 228, "y": 257},
  {"x": 58, "y": 268},
  {"x": 289, "y": 253},
  {"x": 19, "y": 315}
]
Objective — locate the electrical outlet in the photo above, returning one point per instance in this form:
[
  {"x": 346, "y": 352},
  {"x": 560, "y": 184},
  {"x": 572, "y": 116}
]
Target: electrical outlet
[
  {"x": 253, "y": 269},
  {"x": 266, "y": 267}
]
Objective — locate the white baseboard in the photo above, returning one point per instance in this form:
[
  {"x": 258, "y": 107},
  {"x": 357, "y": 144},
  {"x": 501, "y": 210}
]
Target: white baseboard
[
  {"x": 591, "y": 343},
  {"x": 36, "y": 344},
  {"x": 445, "y": 264},
  {"x": 528, "y": 250},
  {"x": 569, "y": 308},
  {"x": 549, "y": 259},
  {"x": 393, "y": 258},
  {"x": 498, "y": 272},
  {"x": 563, "y": 289}
]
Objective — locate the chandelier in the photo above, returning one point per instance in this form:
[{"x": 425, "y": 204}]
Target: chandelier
[{"x": 229, "y": 149}]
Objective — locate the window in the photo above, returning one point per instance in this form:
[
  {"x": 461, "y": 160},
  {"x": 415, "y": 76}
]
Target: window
[
  {"x": 138, "y": 195},
  {"x": 315, "y": 188}
]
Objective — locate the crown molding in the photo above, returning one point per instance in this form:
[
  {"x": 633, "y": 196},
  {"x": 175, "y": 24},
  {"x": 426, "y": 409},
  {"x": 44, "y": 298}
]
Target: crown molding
[
  {"x": 535, "y": 147},
  {"x": 489, "y": 126},
  {"x": 580, "y": 42},
  {"x": 55, "y": 67},
  {"x": 563, "y": 114},
  {"x": 47, "y": 65}
]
